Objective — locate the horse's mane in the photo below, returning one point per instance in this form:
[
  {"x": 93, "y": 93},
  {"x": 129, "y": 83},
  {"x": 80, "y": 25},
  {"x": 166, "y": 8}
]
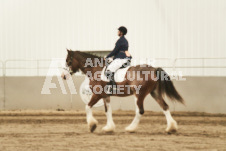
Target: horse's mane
[
  {"x": 87, "y": 55},
  {"x": 83, "y": 56}
]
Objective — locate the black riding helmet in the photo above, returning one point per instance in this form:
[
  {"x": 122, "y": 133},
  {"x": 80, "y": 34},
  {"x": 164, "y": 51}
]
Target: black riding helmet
[{"x": 123, "y": 30}]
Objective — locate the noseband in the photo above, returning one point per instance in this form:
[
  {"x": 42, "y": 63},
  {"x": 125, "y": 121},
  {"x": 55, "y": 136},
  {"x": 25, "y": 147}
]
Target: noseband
[{"x": 68, "y": 68}]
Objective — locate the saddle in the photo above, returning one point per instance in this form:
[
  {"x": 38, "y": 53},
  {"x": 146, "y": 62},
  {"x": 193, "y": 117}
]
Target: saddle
[
  {"x": 126, "y": 64},
  {"x": 119, "y": 75}
]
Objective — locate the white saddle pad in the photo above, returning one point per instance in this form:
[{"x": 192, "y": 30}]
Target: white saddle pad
[{"x": 119, "y": 74}]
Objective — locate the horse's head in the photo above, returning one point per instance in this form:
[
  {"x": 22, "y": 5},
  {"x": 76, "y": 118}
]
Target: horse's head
[{"x": 72, "y": 65}]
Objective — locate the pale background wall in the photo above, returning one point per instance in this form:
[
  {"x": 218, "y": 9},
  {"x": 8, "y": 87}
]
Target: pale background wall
[{"x": 42, "y": 29}]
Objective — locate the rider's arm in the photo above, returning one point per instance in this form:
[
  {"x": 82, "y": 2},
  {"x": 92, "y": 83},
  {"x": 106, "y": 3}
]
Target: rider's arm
[{"x": 115, "y": 50}]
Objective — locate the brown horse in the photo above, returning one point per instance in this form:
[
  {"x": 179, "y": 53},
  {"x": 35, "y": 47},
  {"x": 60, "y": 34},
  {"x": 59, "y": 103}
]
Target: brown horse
[{"x": 157, "y": 83}]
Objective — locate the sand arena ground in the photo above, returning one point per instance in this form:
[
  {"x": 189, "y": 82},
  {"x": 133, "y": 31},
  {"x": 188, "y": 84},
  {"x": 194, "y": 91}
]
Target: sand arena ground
[{"x": 67, "y": 130}]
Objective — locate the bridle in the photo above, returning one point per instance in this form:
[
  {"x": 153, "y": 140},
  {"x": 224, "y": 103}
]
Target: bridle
[{"x": 68, "y": 68}]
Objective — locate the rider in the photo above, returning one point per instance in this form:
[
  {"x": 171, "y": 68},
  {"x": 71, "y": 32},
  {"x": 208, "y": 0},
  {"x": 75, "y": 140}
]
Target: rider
[{"x": 121, "y": 57}]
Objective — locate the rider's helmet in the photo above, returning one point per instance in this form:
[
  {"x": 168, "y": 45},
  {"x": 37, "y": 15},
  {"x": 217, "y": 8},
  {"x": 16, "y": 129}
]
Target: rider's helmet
[{"x": 123, "y": 30}]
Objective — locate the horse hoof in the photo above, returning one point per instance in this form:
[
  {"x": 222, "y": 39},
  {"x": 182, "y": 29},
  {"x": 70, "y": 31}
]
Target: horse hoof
[
  {"x": 108, "y": 129},
  {"x": 93, "y": 127},
  {"x": 172, "y": 128},
  {"x": 171, "y": 132},
  {"x": 92, "y": 124},
  {"x": 130, "y": 130}
]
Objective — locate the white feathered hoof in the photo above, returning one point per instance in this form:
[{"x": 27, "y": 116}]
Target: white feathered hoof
[
  {"x": 172, "y": 128},
  {"x": 108, "y": 129},
  {"x": 130, "y": 129},
  {"x": 92, "y": 124}
]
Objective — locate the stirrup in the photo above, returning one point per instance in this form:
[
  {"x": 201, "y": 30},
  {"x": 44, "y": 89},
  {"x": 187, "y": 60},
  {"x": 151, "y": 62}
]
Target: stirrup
[{"x": 111, "y": 89}]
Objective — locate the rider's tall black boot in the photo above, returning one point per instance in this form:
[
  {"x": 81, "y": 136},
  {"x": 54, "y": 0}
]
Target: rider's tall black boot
[{"x": 111, "y": 85}]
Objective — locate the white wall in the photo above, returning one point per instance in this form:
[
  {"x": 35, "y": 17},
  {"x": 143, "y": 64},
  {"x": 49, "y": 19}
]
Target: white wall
[{"x": 41, "y": 29}]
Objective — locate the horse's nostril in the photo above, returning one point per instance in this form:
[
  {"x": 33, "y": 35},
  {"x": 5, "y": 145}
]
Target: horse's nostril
[{"x": 64, "y": 77}]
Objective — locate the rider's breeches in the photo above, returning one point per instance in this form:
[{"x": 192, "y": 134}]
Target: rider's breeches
[{"x": 116, "y": 64}]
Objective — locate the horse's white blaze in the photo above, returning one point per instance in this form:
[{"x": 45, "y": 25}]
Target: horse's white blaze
[
  {"x": 133, "y": 126},
  {"x": 171, "y": 123},
  {"x": 89, "y": 117},
  {"x": 110, "y": 127}
]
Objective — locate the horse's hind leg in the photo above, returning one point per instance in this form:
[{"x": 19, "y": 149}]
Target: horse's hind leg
[
  {"x": 171, "y": 123},
  {"x": 139, "y": 111},
  {"x": 110, "y": 127}
]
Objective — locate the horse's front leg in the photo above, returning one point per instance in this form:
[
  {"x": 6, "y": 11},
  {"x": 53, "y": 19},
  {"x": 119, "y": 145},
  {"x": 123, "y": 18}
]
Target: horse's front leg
[
  {"x": 92, "y": 122},
  {"x": 139, "y": 111},
  {"x": 110, "y": 126}
]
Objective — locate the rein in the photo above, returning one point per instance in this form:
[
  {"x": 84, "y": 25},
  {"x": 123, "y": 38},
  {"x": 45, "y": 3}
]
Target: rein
[{"x": 81, "y": 57}]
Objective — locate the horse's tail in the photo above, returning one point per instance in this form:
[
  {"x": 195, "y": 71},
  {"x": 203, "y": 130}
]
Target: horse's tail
[{"x": 166, "y": 87}]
